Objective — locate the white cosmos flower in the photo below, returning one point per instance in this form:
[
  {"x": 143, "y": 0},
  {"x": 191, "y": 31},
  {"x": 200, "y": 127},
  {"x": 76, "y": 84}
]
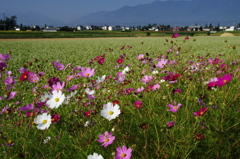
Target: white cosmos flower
[
  {"x": 109, "y": 111},
  {"x": 44, "y": 121},
  {"x": 44, "y": 97},
  {"x": 56, "y": 99},
  {"x": 46, "y": 140},
  {"x": 69, "y": 97},
  {"x": 95, "y": 156},
  {"x": 89, "y": 92},
  {"x": 155, "y": 72},
  {"x": 101, "y": 79},
  {"x": 125, "y": 70}
]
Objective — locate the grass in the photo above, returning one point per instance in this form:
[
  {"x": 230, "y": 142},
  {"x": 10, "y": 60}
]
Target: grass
[
  {"x": 214, "y": 134},
  {"x": 97, "y": 34}
]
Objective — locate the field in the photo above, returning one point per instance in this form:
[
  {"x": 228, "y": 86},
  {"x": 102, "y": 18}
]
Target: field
[
  {"x": 152, "y": 97},
  {"x": 100, "y": 34}
]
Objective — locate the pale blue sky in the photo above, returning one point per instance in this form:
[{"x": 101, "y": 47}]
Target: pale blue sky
[{"x": 66, "y": 10}]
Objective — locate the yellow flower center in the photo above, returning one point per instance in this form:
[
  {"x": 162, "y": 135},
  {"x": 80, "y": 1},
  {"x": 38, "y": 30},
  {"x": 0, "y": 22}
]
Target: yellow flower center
[
  {"x": 175, "y": 107},
  {"x": 44, "y": 121},
  {"x": 106, "y": 140},
  {"x": 10, "y": 141},
  {"x": 123, "y": 155},
  {"x": 87, "y": 74},
  {"x": 225, "y": 81},
  {"x": 110, "y": 112},
  {"x": 56, "y": 99}
]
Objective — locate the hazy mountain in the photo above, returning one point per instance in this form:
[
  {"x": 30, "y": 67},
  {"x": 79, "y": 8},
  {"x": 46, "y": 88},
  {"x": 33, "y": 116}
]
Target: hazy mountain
[
  {"x": 29, "y": 18},
  {"x": 179, "y": 13}
]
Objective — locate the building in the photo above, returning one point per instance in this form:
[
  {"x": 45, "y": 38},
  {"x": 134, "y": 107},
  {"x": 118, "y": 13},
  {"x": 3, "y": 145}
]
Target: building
[
  {"x": 194, "y": 28},
  {"x": 232, "y": 28}
]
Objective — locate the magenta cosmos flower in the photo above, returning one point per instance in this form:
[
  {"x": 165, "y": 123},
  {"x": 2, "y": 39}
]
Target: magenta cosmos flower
[
  {"x": 201, "y": 112},
  {"x": 138, "y": 104},
  {"x": 175, "y": 35},
  {"x": 174, "y": 107},
  {"x": 88, "y": 72},
  {"x": 224, "y": 80},
  {"x": 123, "y": 153},
  {"x": 106, "y": 138}
]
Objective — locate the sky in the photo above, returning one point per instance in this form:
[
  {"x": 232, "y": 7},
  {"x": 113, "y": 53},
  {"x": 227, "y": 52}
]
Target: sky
[{"x": 65, "y": 10}]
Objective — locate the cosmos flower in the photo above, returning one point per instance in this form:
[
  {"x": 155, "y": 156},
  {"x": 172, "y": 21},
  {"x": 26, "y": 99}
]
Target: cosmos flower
[
  {"x": 175, "y": 35},
  {"x": 101, "y": 61},
  {"x": 101, "y": 79},
  {"x": 24, "y": 76},
  {"x": 8, "y": 96},
  {"x": 88, "y": 72},
  {"x": 201, "y": 112},
  {"x": 123, "y": 153},
  {"x": 139, "y": 90},
  {"x": 170, "y": 124},
  {"x": 43, "y": 121},
  {"x": 224, "y": 80},
  {"x": 174, "y": 107},
  {"x": 119, "y": 61},
  {"x": 109, "y": 111},
  {"x": 140, "y": 57},
  {"x": 162, "y": 63},
  {"x": 55, "y": 118},
  {"x": 138, "y": 104},
  {"x": 46, "y": 140},
  {"x": 56, "y": 99},
  {"x": 58, "y": 86},
  {"x": 27, "y": 108},
  {"x": 58, "y": 65},
  {"x": 146, "y": 79},
  {"x": 106, "y": 138},
  {"x": 95, "y": 156}
]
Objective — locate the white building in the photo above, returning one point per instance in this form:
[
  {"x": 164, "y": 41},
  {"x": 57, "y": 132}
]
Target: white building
[{"x": 230, "y": 29}]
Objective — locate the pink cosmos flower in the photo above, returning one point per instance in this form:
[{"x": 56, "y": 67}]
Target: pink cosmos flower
[
  {"x": 106, "y": 138},
  {"x": 139, "y": 90},
  {"x": 123, "y": 153},
  {"x": 138, "y": 104},
  {"x": 58, "y": 87},
  {"x": 162, "y": 63},
  {"x": 33, "y": 77},
  {"x": 88, "y": 72},
  {"x": 174, "y": 107},
  {"x": 140, "y": 57},
  {"x": 10, "y": 96},
  {"x": 27, "y": 108},
  {"x": 155, "y": 87},
  {"x": 224, "y": 80},
  {"x": 146, "y": 79},
  {"x": 58, "y": 65},
  {"x": 70, "y": 77}
]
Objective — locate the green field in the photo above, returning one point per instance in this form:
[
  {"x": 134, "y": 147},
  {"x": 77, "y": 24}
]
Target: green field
[
  {"x": 99, "y": 33},
  {"x": 204, "y": 126}
]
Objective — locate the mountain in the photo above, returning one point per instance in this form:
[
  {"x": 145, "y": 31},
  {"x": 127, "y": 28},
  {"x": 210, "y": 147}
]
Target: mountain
[
  {"x": 180, "y": 13},
  {"x": 29, "y": 18}
]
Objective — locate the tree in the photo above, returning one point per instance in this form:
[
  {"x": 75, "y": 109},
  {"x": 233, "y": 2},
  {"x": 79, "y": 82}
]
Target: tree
[{"x": 9, "y": 23}]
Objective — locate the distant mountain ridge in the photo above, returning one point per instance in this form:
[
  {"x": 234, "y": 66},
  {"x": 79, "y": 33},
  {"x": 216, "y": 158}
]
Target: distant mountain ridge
[{"x": 201, "y": 12}]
